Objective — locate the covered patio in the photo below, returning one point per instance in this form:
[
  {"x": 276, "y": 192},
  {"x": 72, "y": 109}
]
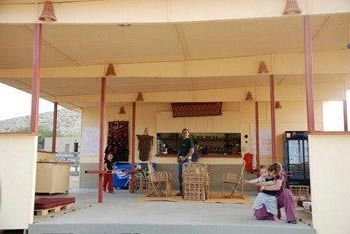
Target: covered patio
[
  {"x": 248, "y": 64},
  {"x": 123, "y": 212}
]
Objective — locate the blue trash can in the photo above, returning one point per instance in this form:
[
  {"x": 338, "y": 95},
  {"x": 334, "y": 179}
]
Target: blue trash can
[{"x": 122, "y": 175}]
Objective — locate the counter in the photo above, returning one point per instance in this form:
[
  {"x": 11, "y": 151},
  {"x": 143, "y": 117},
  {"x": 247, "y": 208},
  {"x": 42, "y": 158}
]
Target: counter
[{"x": 52, "y": 177}]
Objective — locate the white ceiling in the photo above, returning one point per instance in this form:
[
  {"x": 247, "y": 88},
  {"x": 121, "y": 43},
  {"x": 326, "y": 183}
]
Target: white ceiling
[
  {"x": 85, "y": 44},
  {"x": 75, "y": 45},
  {"x": 37, "y": 1}
]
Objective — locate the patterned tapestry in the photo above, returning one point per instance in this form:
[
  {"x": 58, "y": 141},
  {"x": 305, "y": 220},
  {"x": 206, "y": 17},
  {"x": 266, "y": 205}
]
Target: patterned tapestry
[
  {"x": 118, "y": 140},
  {"x": 191, "y": 109}
]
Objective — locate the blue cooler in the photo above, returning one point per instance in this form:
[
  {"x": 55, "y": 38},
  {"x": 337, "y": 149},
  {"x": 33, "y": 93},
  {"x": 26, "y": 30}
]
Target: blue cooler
[{"x": 121, "y": 177}]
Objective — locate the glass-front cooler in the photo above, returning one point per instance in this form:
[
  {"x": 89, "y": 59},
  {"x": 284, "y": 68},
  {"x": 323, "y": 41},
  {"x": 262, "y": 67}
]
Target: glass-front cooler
[{"x": 296, "y": 155}]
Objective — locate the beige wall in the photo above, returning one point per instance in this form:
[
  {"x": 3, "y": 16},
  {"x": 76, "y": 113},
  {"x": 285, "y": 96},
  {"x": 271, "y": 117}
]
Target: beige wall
[
  {"x": 237, "y": 117},
  {"x": 17, "y": 180},
  {"x": 330, "y": 187}
]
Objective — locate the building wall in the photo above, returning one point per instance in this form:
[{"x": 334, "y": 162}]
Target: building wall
[
  {"x": 292, "y": 116},
  {"x": 237, "y": 117},
  {"x": 17, "y": 180},
  {"x": 61, "y": 143},
  {"x": 330, "y": 187}
]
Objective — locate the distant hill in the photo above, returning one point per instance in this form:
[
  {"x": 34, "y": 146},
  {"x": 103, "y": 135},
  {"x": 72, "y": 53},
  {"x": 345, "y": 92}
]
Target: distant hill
[{"x": 69, "y": 123}]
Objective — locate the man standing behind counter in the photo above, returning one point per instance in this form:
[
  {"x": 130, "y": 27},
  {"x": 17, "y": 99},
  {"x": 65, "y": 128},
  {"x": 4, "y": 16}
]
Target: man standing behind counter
[{"x": 186, "y": 150}]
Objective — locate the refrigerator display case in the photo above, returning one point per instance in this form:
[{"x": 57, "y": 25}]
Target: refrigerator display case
[{"x": 296, "y": 155}]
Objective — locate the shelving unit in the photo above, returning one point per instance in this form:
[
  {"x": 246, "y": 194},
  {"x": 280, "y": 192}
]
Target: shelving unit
[{"x": 210, "y": 144}]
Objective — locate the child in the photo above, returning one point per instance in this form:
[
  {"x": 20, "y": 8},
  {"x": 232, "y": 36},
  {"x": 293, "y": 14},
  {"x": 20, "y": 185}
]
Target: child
[
  {"x": 263, "y": 175},
  {"x": 195, "y": 155},
  {"x": 108, "y": 177},
  {"x": 269, "y": 200}
]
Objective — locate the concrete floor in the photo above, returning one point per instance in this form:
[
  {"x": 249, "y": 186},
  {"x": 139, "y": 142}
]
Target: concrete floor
[{"x": 123, "y": 212}]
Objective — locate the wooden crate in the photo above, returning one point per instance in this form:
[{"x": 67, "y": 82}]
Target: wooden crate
[
  {"x": 300, "y": 191},
  {"x": 56, "y": 209},
  {"x": 195, "y": 181},
  {"x": 195, "y": 191}
]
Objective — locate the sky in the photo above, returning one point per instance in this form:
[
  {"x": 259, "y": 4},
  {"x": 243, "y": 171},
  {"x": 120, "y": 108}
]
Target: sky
[{"x": 16, "y": 103}]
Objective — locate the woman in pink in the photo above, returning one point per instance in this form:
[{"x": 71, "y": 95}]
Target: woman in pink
[{"x": 284, "y": 199}]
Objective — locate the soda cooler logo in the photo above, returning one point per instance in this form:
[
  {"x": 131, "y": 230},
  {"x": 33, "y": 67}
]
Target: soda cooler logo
[{"x": 122, "y": 174}]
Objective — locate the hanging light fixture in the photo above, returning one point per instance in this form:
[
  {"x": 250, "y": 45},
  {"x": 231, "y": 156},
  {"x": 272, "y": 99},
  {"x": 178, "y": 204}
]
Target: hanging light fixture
[
  {"x": 278, "y": 105},
  {"x": 249, "y": 96},
  {"x": 48, "y": 13},
  {"x": 122, "y": 110},
  {"x": 292, "y": 8},
  {"x": 263, "y": 68},
  {"x": 139, "y": 97},
  {"x": 110, "y": 70}
]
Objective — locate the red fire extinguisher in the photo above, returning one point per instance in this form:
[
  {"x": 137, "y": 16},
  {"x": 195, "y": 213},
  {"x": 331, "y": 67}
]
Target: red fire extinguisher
[{"x": 248, "y": 158}]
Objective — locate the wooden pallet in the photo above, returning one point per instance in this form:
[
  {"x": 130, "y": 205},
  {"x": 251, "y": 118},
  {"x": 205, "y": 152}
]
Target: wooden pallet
[{"x": 56, "y": 209}]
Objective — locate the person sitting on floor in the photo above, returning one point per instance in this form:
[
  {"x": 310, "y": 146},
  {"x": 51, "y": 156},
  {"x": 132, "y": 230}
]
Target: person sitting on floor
[
  {"x": 269, "y": 200},
  {"x": 108, "y": 177},
  {"x": 284, "y": 197}
]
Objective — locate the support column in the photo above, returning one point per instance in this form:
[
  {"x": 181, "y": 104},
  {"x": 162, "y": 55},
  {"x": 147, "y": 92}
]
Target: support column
[
  {"x": 36, "y": 79},
  {"x": 54, "y": 127},
  {"x": 133, "y": 142},
  {"x": 257, "y": 143},
  {"x": 102, "y": 133},
  {"x": 345, "y": 112},
  {"x": 308, "y": 74},
  {"x": 273, "y": 120}
]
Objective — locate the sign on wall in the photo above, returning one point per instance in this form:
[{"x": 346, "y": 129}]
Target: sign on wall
[
  {"x": 90, "y": 141},
  {"x": 264, "y": 140}
]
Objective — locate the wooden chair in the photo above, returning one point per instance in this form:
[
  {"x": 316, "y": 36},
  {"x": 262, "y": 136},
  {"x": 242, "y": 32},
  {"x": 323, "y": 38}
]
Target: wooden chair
[
  {"x": 159, "y": 182},
  {"x": 235, "y": 181}
]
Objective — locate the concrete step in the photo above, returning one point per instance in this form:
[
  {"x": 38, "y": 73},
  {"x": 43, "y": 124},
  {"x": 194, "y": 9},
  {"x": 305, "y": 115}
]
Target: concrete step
[{"x": 93, "y": 228}]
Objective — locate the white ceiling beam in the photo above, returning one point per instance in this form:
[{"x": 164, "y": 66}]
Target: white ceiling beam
[
  {"x": 325, "y": 62},
  {"x": 93, "y": 72},
  {"x": 159, "y": 11},
  {"x": 323, "y": 91},
  {"x": 182, "y": 39},
  {"x": 322, "y": 28}
]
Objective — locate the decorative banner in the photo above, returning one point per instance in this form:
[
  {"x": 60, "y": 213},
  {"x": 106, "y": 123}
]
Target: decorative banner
[
  {"x": 145, "y": 145},
  {"x": 118, "y": 140},
  {"x": 192, "y": 109}
]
